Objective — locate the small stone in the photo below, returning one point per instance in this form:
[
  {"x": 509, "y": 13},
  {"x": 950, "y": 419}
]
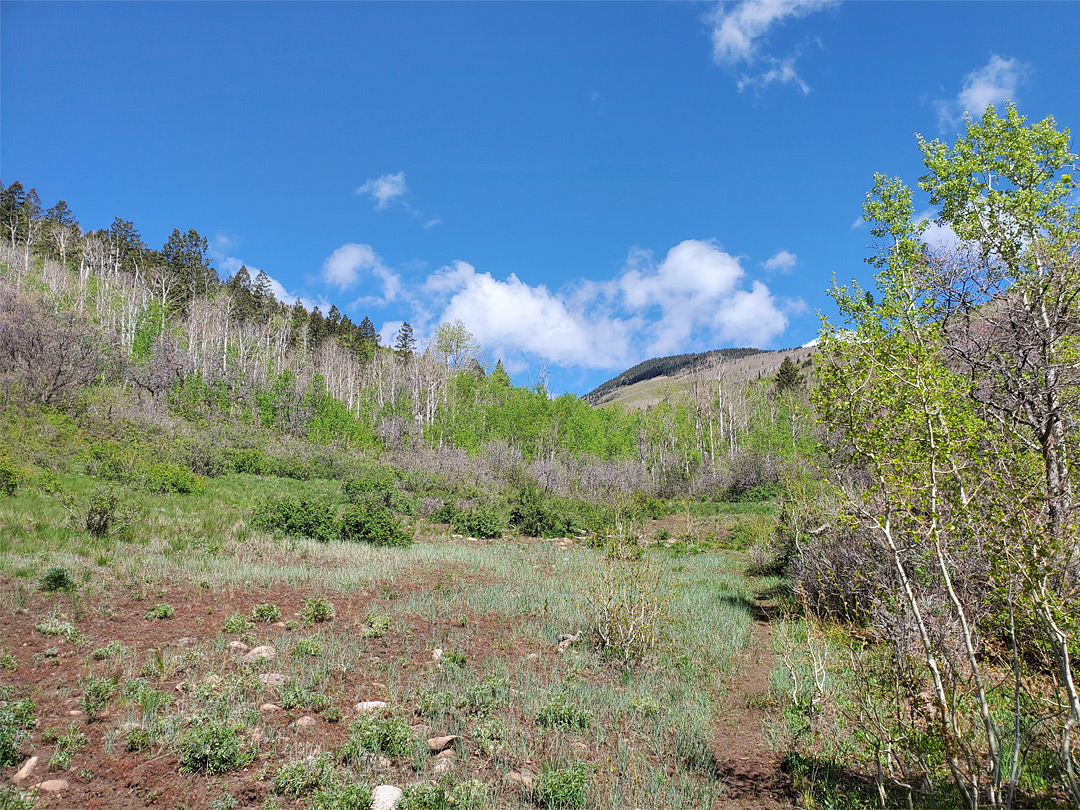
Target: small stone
[
  {"x": 75, "y": 713},
  {"x": 385, "y": 797},
  {"x": 436, "y": 654},
  {"x": 273, "y": 679},
  {"x": 370, "y": 706},
  {"x": 280, "y": 625},
  {"x": 53, "y": 785},
  {"x": 524, "y": 779},
  {"x": 533, "y": 656},
  {"x": 259, "y": 653},
  {"x": 437, "y": 744},
  {"x": 269, "y": 708},
  {"x": 443, "y": 766},
  {"x": 377, "y": 685},
  {"x": 384, "y": 762},
  {"x": 25, "y": 771},
  {"x": 238, "y": 646},
  {"x": 307, "y": 721},
  {"x": 257, "y": 736},
  {"x": 186, "y": 641},
  {"x": 447, "y": 754}
]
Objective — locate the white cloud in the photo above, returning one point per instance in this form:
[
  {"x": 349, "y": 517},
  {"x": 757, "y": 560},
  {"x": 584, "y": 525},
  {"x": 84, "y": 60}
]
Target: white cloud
[
  {"x": 345, "y": 267},
  {"x": 431, "y": 223},
  {"x": 739, "y": 29},
  {"x": 220, "y": 248},
  {"x": 385, "y": 189},
  {"x": 993, "y": 83},
  {"x": 936, "y": 235},
  {"x": 783, "y": 262}
]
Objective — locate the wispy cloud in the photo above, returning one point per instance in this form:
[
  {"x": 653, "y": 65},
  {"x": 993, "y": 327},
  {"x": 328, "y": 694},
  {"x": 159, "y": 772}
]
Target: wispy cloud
[
  {"x": 783, "y": 262},
  {"x": 384, "y": 190},
  {"x": 992, "y": 83},
  {"x": 346, "y": 267},
  {"x": 739, "y": 29}
]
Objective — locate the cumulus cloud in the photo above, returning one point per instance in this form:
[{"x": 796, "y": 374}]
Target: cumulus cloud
[
  {"x": 739, "y": 29},
  {"x": 783, "y": 262},
  {"x": 936, "y": 235},
  {"x": 694, "y": 298},
  {"x": 992, "y": 83},
  {"x": 384, "y": 190},
  {"x": 346, "y": 267}
]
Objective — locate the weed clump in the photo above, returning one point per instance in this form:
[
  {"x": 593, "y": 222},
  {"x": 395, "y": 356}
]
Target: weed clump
[
  {"x": 266, "y": 612},
  {"x": 315, "y": 610},
  {"x": 480, "y": 521},
  {"x": 627, "y": 601},
  {"x": 561, "y": 713},
  {"x": 9, "y": 478},
  {"x": 389, "y": 736},
  {"x": 212, "y": 745},
  {"x": 237, "y": 623},
  {"x": 560, "y": 788},
  {"x": 57, "y": 579},
  {"x": 303, "y": 776},
  {"x": 315, "y": 518},
  {"x": 165, "y": 478},
  {"x": 105, "y": 513},
  {"x": 160, "y": 612},
  {"x": 15, "y": 719},
  {"x": 373, "y": 523},
  {"x": 96, "y": 694}
]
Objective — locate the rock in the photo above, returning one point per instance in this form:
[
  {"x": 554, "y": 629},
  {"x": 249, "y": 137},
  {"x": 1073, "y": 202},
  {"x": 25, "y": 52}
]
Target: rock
[
  {"x": 570, "y": 637},
  {"x": 280, "y": 625},
  {"x": 436, "y": 654},
  {"x": 53, "y": 785},
  {"x": 269, "y": 708},
  {"x": 533, "y": 656},
  {"x": 385, "y": 797},
  {"x": 259, "y": 653},
  {"x": 307, "y": 721},
  {"x": 273, "y": 679},
  {"x": 384, "y": 762},
  {"x": 238, "y": 646},
  {"x": 377, "y": 685},
  {"x": 256, "y": 736},
  {"x": 443, "y": 766},
  {"x": 186, "y": 641},
  {"x": 370, "y": 706},
  {"x": 524, "y": 779},
  {"x": 25, "y": 771},
  {"x": 437, "y": 744},
  {"x": 75, "y": 713}
]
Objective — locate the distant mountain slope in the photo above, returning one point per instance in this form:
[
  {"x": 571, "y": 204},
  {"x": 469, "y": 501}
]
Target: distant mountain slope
[{"x": 645, "y": 383}]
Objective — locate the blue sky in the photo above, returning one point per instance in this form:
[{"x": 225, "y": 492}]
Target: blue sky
[{"x": 584, "y": 184}]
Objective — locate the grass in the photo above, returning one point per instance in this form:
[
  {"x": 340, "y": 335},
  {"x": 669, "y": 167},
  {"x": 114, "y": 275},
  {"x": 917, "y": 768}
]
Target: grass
[{"x": 620, "y": 736}]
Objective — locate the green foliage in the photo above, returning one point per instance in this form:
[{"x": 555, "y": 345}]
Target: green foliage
[
  {"x": 375, "y": 524},
  {"x": 114, "y": 649},
  {"x": 423, "y": 797},
  {"x": 70, "y": 743},
  {"x": 315, "y": 518},
  {"x": 163, "y": 478},
  {"x": 563, "y": 788},
  {"x": 536, "y": 515},
  {"x": 480, "y": 521},
  {"x": 106, "y": 513},
  {"x": 343, "y": 795},
  {"x": 376, "y": 626},
  {"x": 96, "y": 693},
  {"x": 237, "y": 623},
  {"x": 304, "y": 776},
  {"x": 15, "y": 719},
  {"x": 9, "y": 478},
  {"x": 54, "y": 626},
  {"x": 561, "y": 713},
  {"x": 212, "y": 745},
  {"x": 266, "y": 612},
  {"x": 627, "y": 600},
  {"x": 306, "y": 648},
  {"x": 12, "y": 798},
  {"x": 375, "y": 479},
  {"x": 160, "y": 612},
  {"x": 315, "y": 610},
  {"x": 390, "y": 736},
  {"x": 57, "y": 579}
]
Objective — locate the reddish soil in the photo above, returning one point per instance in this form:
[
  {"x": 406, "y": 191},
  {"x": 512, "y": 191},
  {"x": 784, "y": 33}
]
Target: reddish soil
[{"x": 754, "y": 777}]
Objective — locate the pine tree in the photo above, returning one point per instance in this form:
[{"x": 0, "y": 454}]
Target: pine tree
[
  {"x": 406, "y": 342},
  {"x": 788, "y": 377}
]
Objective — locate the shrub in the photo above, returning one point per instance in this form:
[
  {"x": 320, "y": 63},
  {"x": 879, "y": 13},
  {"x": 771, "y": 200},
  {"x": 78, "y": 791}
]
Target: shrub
[
  {"x": 13, "y": 725},
  {"x": 447, "y": 513},
  {"x": 162, "y": 478},
  {"x": 561, "y": 713},
  {"x": 57, "y": 579},
  {"x": 303, "y": 776},
  {"x": 351, "y": 795},
  {"x": 237, "y": 623},
  {"x": 376, "y": 626},
  {"x": 563, "y": 788},
  {"x": 628, "y": 601},
  {"x": 376, "y": 480},
  {"x": 423, "y": 797},
  {"x": 96, "y": 693},
  {"x": 71, "y": 743},
  {"x": 212, "y": 745},
  {"x": 535, "y": 515},
  {"x": 254, "y": 462},
  {"x": 317, "y": 609},
  {"x": 114, "y": 649},
  {"x": 160, "y": 612},
  {"x": 390, "y": 736},
  {"x": 106, "y": 515},
  {"x": 306, "y": 648},
  {"x": 301, "y": 517},
  {"x": 480, "y": 521},
  {"x": 373, "y": 523},
  {"x": 295, "y": 695},
  {"x": 9, "y": 478},
  {"x": 266, "y": 612}
]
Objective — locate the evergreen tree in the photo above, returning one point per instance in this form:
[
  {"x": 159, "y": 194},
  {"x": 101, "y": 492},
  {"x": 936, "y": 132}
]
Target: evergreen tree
[
  {"x": 263, "y": 290},
  {"x": 406, "y": 342},
  {"x": 186, "y": 256},
  {"x": 239, "y": 287},
  {"x": 499, "y": 377},
  {"x": 788, "y": 377},
  {"x": 316, "y": 329}
]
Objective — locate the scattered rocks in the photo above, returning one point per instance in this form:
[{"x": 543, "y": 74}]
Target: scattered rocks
[
  {"x": 523, "y": 779},
  {"x": 437, "y": 744},
  {"x": 269, "y": 708},
  {"x": 256, "y": 736},
  {"x": 238, "y": 646},
  {"x": 25, "y": 771},
  {"x": 273, "y": 679},
  {"x": 370, "y": 706},
  {"x": 385, "y": 797},
  {"x": 307, "y": 721},
  {"x": 53, "y": 785},
  {"x": 259, "y": 653}
]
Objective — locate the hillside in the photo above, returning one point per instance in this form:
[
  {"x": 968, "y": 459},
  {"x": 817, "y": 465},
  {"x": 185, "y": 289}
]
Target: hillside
[{"x": 645, "y": 384}]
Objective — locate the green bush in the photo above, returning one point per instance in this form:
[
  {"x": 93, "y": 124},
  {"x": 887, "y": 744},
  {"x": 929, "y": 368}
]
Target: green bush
[
  {"x": 11, "y": 798},
  {"x": 301, "y": 517},
  {"x": 373, "y": 480},
  {"x": 390, "y": 736},
  {"x": 423, "y": 797},
  {"x": 316, "y": 609},
  {"x": 164, "y": 478},
  {"x": 254, "y": 462},
  {"x": 560, "y": 713},
  {"x": 373, "y": 523},
  {"x": 237, "y": 623},
  {"x": 160, "y": 612},
  {"x": 212, "y": 745},
  {"x": 563, "y": 788},
  {"x": 96, "y": 693},
  {"x": 9, "y": 478},
  {"x": 350, "y": 795},
  {"x": 303, "y": 776},
  {"x": 57, "y": 579},
  {"x": 266, "y": 612},
  {"x": 447, "y": 513},
  {"x": 106, "y": 513},
  {"x": 480, "y": 521},
  {"x": 15, "y": 718}
]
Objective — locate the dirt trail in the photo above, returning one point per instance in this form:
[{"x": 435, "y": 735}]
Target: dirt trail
[{"x": 753, "y": 775}]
